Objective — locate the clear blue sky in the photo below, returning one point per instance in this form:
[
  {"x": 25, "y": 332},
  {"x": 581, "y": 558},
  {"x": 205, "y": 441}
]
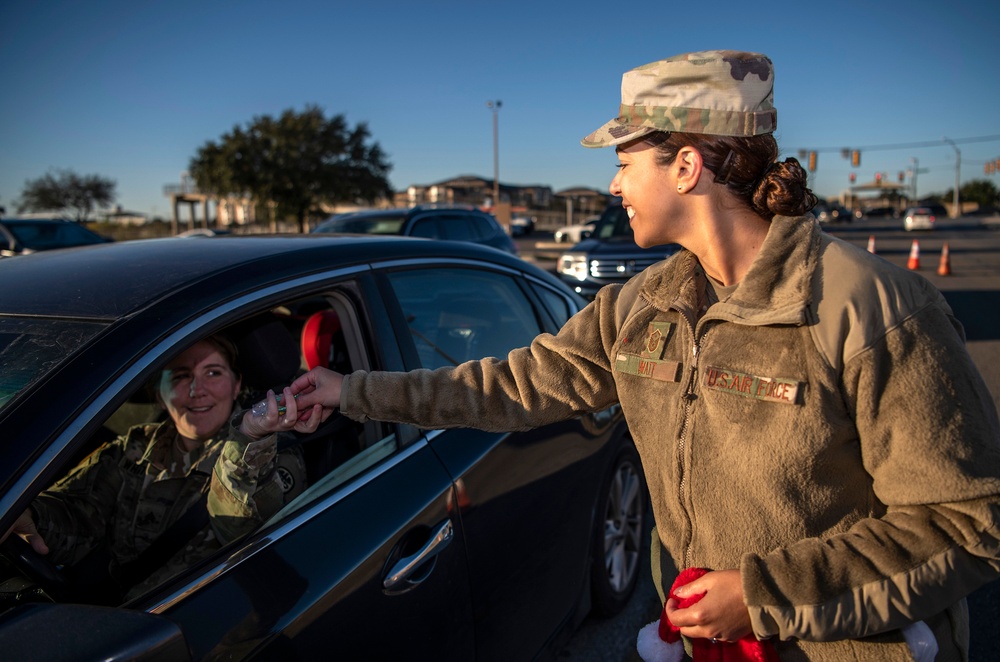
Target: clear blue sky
[{"x": 131, "y": 90}]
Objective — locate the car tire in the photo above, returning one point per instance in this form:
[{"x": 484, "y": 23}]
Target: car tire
[{"x": 619, "y": 530}]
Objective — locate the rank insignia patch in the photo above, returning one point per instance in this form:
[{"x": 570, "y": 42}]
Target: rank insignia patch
[{"x": 649, "y": 362}]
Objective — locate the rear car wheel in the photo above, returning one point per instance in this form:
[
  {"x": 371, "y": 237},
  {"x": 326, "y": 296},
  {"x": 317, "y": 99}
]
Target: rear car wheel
[{"x": 618, "y": 532}]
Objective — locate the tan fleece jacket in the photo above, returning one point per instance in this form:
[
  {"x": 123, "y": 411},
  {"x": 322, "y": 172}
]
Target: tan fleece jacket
[{"x": 824, "y": 430}]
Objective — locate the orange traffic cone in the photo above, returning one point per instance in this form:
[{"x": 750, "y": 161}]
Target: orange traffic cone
[
  {"x": 944, "y": 268},
  {"x": 914, "y": 262},
  {"x": 871, "y": 244}
]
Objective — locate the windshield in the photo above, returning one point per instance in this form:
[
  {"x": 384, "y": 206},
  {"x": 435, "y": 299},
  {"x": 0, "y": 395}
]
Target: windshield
[
  {"x": 30, "y": 348},
  {"x": 45, "y": 236},
  {"x": 613, "y": 223},
  {"x": 387, "y": 224}
]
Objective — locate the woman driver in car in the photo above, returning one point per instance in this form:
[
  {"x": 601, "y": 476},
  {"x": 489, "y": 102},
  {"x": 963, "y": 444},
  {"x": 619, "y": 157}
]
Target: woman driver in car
[{"x": 193, "y": 474}]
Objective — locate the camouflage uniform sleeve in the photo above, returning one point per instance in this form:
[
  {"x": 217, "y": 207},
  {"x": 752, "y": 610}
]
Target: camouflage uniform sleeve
[
  {"x": 246, "y": 487},
  {"x": 72, "y": 516}
]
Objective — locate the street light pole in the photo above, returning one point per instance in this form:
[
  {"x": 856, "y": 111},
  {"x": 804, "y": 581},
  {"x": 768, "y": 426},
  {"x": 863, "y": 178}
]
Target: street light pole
[
  {"x": 958, "y": 176},
  {"x": 495, "y": 107}
]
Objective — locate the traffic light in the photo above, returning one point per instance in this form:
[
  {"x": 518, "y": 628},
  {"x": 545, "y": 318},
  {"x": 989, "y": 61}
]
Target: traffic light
[
  {"x": 902, "y": 176},
  {"x": 812, "y": 161},
  {"x": 856, "y": 158},
  {"x": 852, "y": 177},
  {"x": 878, "y": 178}
]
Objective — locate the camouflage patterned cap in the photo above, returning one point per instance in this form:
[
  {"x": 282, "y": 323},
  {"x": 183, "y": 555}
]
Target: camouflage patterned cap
[{"x": 723, "y": 93}]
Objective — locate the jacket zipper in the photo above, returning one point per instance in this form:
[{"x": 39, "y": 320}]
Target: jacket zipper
[{"x": 689, "y": 397}]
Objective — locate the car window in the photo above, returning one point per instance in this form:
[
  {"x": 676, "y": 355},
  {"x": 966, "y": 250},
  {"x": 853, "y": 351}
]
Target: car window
[
  {"x": 361, "y": 224},
  {"x": 272, "y": 348},
  {"x": 613, "y": 223},
  {"x": 557, "y": 304},
  {"x": 43, "y": 236},
  {"x": 462, "y": 227},
  {"x": 456, "y": 315},
  {"x": 427, "y": 228},
  {"x": 28, "y": 350},
  {"x": 481, "y": 227}
]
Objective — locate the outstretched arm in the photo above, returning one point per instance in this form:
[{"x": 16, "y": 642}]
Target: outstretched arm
[{"x": 318, "y": 388}]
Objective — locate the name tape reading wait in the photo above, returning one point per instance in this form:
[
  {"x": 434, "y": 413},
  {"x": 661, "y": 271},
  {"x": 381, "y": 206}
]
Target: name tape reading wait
[
  {"x": 772, "y": 389},
  {"x": 649, "y": 362},
  {"x": 664, "y": 371}
]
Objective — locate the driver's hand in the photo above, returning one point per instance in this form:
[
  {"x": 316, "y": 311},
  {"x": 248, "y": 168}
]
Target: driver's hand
[{"x": 25, "y": 527}]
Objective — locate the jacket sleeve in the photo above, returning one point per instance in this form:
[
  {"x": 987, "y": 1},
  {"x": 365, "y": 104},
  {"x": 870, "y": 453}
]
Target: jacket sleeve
[
  {"x": 929, "y": 438},
  {"x": 555, "y": 378},
  {"x": 72, "y": 516},
  {"x": 245, "y": 489}
]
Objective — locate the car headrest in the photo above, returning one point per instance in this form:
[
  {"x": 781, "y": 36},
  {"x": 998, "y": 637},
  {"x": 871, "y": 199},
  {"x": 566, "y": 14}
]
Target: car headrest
[
  {"x": 268, "y": 354},
  {"x": 317, "y": 337}
]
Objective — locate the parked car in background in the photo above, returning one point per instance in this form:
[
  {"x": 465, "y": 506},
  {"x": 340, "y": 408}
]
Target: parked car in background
[
  {"x": 608, "y": 255},
  {"x": 574, "y": 234},
  {"x": 21, "y": 236},
  {"x": 936, "y": 208},
  {"x": 438, "y": 544},
  {"x": 204, "y": 232},
  {"x": 832, "y": 213},
  {"x": 455, "y": 223},
  {"x": 521, "y": 226},
  {"x": 881, "y": 212},
  {"x": 918, "y": 218}
]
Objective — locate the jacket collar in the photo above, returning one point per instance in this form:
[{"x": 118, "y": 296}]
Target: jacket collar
[{"x": 775, "y": 290}]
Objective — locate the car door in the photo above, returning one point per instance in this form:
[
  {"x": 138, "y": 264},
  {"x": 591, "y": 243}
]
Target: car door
[
  {"x": 526, "y": 499},
  {"x": 368, "y": 562}
]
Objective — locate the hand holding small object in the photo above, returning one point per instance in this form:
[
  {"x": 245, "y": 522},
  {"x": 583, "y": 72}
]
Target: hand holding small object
[
  {"x": 279, "y": 413},
  {"x": 260, "y": 409}
]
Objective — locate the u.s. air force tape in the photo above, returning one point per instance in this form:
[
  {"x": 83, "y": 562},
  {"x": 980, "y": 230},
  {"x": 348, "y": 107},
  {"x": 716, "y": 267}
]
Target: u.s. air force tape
[{"x": 772, "y": 389}]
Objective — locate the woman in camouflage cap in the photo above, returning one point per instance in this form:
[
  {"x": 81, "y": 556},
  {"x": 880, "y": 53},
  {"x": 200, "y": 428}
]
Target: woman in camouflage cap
[{"x": 810, "y": 423}]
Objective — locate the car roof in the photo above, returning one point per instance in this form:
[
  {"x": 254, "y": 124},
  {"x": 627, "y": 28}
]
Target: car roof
[{"x": 110, "y": 281}]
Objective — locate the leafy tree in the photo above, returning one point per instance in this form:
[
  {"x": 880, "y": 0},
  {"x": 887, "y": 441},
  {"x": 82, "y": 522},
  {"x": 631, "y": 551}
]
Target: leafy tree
[
  {"x": 294, "y": 163},
  {"x": 67, "y": 190},
  {"x": 982, "y": 191}
]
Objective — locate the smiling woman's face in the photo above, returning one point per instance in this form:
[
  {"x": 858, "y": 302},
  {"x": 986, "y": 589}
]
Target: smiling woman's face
[
  {"x": 198, "y": 389},
  {"x": 646, "y": 190}
]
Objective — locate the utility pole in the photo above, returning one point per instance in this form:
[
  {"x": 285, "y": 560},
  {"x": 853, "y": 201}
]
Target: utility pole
[
  {"x": 495, "y": 107},
  {"x": 958, "y": 176}
]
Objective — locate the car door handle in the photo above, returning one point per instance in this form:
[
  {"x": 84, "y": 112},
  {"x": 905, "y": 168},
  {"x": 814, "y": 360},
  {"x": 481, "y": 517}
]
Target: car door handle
[{"x": 405, "y": 566}]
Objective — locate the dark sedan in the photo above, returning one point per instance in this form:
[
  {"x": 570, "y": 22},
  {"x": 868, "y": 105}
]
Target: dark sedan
[
  {"x": 451, "y": 222},
  {"x": 434, "y": 544},
  {"x": 22, "y": 236}
]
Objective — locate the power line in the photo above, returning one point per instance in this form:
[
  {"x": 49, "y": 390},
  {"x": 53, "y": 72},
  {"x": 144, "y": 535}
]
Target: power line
[{"x": 914, "y": 145}]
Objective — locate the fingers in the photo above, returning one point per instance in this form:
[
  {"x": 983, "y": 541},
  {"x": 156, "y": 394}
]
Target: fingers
[
  {"x": 720, "y": 614},
  {"x": 37, "y": 543},
  {"x": 25, "y": 528},
  {"x": 308, "y": 382},
  {"x": 309, "y": 420}
]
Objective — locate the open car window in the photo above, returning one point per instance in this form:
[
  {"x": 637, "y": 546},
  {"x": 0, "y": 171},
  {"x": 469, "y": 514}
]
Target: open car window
[{"x": 273, "y": 347}]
